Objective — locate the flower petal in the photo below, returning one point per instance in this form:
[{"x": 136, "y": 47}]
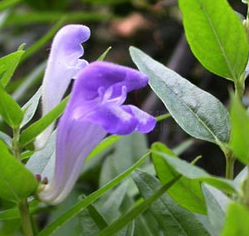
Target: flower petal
[
  {"x": 146, "y": 122},
  {"x": 106, "y": 74},
  {"x": 64, "y": 63},
  {"x": 75, "y": 141}
]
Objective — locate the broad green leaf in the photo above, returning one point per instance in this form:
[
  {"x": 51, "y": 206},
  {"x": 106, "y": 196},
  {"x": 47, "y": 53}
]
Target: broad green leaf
[
  {"x": 125, "y": 219},
  {"x": 172, "y": 219},
  {"x": 30, "y": 107},
  {"x": 76, "y": 209},
  {"x": 237, "y": 219},
  {"x": 12, "y": 173},
  {"x": 217, "y": 203},
  {"x": 10, "y": 111},
  {"x": 103, "y": 56},
  {"x": 197, "y": 112},
  {"x": 239, "y": 142},
  {"x": 216, "y": 36},
  {"x": 186, "y": 192},
  {"x": 193, "y": 172},
  {"x": 8, "y": 65},
  {"x": 29, "y": 134}
]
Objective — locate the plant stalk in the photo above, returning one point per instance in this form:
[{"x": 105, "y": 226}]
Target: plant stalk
[
  {"x": 23, "y": 205},
  {"x": 25, "y": 218}
]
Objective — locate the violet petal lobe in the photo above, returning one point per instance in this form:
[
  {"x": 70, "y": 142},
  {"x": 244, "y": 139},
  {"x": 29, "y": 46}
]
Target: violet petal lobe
[
  {"x": 95, "y": 109},
  {"x": 64, "y": 63}
]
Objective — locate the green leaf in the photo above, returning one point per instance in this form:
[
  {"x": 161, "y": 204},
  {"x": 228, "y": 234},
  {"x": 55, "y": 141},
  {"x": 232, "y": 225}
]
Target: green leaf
[
  {"x": 217, "y": 203},
  {"x": 172, "y": 219},
  {"x": 186, "y": 192},
  {"x": 91, "y": 221},
  {"x": 237, "y": 219},
  {"x": 110, "y": 207},
  {"x": 240, "y": 129},
  {"x": 12, "y": 173},
  {"x": 193, "y": 172},
  {"x": 8, "y": 65},
  {"x": 103, "y": 56},
  {"x": 76, "y": 209},
  {"x": 29, "y": 134},
  {"x": 10, "y": 111},
  {"x": 103, "y": 145},
  {"x": 30, "y": 107},
  {"x": 4, "y": 4},
  {"x": 197, "y": 112},
  {"x": 136, "y": 211},
  {"x": 216, "y": 36}
]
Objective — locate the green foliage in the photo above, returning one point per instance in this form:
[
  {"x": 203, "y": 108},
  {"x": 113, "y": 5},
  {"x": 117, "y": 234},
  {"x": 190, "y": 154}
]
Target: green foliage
[
  {"x": 172, "y": 219},
  {"x": 197, "y": 112},
  {"x": 10, "y": 111},
  {"x": 193, "y": 172},
  {"x": 216, "y": 36},
  {"x": 236, "y": 221},
  {"x": 12, "y": 173},
  {"x": 186, "y": 192},
  {"x": 8, "y": 65},
  {"x": 217, "y": 203},
  {"x": 29, "y": 134},
  {"x": 88, "y": 200},
  {"x": 133, "y": 213},
  {"x": 239, "y": 142}
]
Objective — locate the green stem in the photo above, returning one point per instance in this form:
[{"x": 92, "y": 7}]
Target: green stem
[
  {"x": 240, "y": 87},
  {"x": 230, "y": 161},
  {"x": 23, "y": 205},
  {"x": 25, "y": 218},
  {"x": 15, "y": 144}
]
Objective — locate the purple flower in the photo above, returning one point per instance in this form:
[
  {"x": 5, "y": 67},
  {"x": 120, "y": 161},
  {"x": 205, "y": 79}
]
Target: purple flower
[
  {"x": 95, "y": 109},
  {"x": 63, "y": 65}
]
